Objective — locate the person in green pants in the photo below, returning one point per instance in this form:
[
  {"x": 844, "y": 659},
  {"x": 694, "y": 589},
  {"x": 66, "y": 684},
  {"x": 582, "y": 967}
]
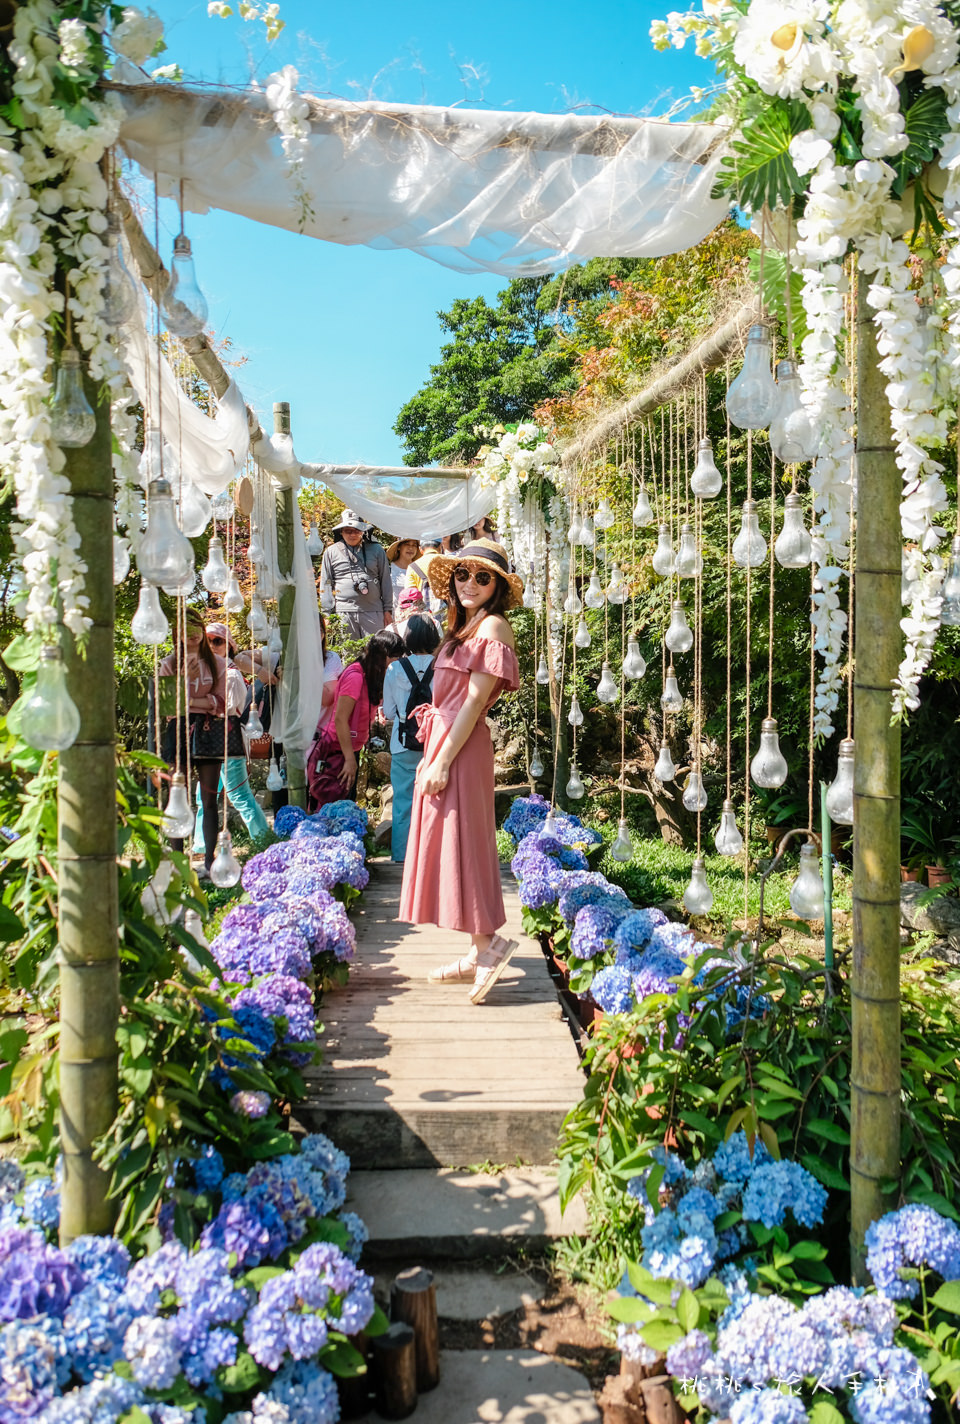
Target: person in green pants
[{"x": 239, "y": 791}]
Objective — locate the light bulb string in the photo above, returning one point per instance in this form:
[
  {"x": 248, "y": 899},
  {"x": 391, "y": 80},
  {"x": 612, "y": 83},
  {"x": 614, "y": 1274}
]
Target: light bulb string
[
  {"x": 789, "y": 276},
  {"x": 746, "y": 750},
  {"x": 672, "y": 503},
  {"x": 813, "y": 688},
  {"x": 698, "y": 669},
  {"x": 852, "y": 511},
  {"x": 67, "y": 314},
  {"x": 159, "y": 392},
  {"x": 623, "y": 713},
  {"x": 729, "y": 592},
  {"x": 633, "y": 527},
  {"x": 773, "y": 500},
  {"x": 686, "y": 461},
  {"x": 156, "y": 713},
  {"x": 180, "y": 658},
  {"x": 186, "y": 708}
]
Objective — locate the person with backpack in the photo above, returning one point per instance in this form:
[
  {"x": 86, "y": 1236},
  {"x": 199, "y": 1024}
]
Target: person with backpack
[
  {"x": 331, "y": 767},
  {"x": 408, "y": 685}
]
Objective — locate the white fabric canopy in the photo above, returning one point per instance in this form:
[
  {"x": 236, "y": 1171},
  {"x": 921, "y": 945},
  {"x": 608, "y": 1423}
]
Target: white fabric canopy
[
  {"x": 514, "y": 193},
  {"x": 404, "y": 505}
]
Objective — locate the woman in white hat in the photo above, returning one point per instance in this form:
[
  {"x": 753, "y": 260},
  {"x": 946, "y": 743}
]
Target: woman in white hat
[
  {"x": 451, "y": 875},
  {"x": 356, "y": 572}
]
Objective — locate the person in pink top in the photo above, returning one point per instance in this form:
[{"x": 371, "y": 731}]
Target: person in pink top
[
  {"x": 331, "y": 766},
  {"x": 451, "y": 875}
]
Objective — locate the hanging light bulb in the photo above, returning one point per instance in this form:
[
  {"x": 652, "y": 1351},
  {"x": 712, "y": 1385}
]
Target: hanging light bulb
[
  {"x": 840, "y": 793},
  {"x": 257, "y": 621},
  {"x": 186, "y": 585},
  {"x": 49, "y": 720},
  {"x": 749, "y": 547},
  {"x": 694, "y": 793},
  {"x": 275, "y": 641},
  {"x": 184, "y": 307},
  {"x": 572, "y": 604},
  {"x": 634, "y": 665},
  {"x": 165, "y": 556},
  {"x": 582, "y": 636},
  {"x": 573, "y": 533},
  {"x": 769, "y": 766},
  {"x": 671, "y": 699},
  {"x": 314, "y": 542},
  {"x": 794, "y": 547},
  {"x": 225, "y": 870},
  {"x": 178, "y": 817},
  {"x": 594, "y": 596},
  {"x": 121, "y": 558},
  {"x": 950, "y": 608},
  {"x": 678, "y": 638},
  {"x": 72, "y": 418},
  {"x": 753, "y": 397},
  {"x": 149, "y": 625},
  {"x": 618, "y": 590},
  {"x": 150, "y": 466},
  {"x": 117, "y": 296},
  {"x": 255, "y": 552},
  {"x": 194, "y": 510},
  {"x": 233, "y": 599},
  {"x": 607, "y": 688},
  {"x": 728, "y": 839},
  {"x": 530, "y": 599},
  {"x": 698, "y": 897},
  {"x": 663, "y": 554},
  {"x": 549, "y": 827},
  {"x": 575, "y": 787},
  {"x": 793, "y": 436},
  {"x": 806, "y": 892},
  {"x": 604, "y": 517},
  {"x": 642, "y": 510},
  {"x": 215, "y": 576},
  {"x": 543, "y": 672},
  {"x": 622, "y": 848},
  {"x": 274, "y": 779},
  {"x": 536, "y": 766},
  {"x": 575, "y": 715},
  {"x": 587, "y": 536},
  {"x": 705, "y": 482},
  {"x": 665, "y": 770},
  {"x": 689, "y": 558},
  {"x": 254, "y": 727}
]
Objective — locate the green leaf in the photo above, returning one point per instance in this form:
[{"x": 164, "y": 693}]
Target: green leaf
[
  {"x": 377, "y": 1323},
  {"x": 629, "y": 1309},
  {"x": 343, "y": 1359},
  {"x": 760, "y": 170},
  {"x": 240, "y": 1377},
  {"x": 823, "y": 1412},
  {"x": 824, "y": 1173},
  {"x": 10, "y": 926},
  {"x": 948, "y": 1297},
  {"x": 832, "y": 1131},
  {"x": 925, "y": 123},
  {"x": 258, "y": 1275},
  {"x": 660, "y": 1334},
  {"x": 688, "y": 1310}
]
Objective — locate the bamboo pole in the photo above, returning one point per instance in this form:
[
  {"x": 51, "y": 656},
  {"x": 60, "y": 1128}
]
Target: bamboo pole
[
  {"x": 875, "y": 980},
  {"x": 287, "y": 513},
  {"x": 87, "y": 853}
]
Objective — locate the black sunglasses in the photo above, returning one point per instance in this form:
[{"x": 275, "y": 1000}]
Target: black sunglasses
[{"x": 482, "y": 576}]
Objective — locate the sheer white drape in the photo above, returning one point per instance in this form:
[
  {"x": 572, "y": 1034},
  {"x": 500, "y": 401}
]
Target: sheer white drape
[
  {"x": 406, "y": 506},
  {"x": 301, "y": 684}
]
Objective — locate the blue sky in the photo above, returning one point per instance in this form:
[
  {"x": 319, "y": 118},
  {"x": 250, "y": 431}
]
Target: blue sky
[{"x": 347, "y": 334}]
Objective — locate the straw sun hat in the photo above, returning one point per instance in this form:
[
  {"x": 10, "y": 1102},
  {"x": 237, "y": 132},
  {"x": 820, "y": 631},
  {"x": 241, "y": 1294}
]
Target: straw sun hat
[
  {"x": 481, "y": 553},
  {"x": 394, "y": 548}
]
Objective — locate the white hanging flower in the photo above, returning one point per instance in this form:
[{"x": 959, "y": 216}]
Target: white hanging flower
[
  {"x": 74, "y": 43},
  {"x": 783, "y": 47},
  {"x": 138, "y": 35}
]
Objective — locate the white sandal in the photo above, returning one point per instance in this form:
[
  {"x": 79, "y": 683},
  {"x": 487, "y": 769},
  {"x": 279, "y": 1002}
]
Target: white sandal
[{"x": 458, "y": 971}]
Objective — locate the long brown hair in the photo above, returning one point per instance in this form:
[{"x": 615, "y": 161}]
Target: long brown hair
[
  {"x": 192, "y": 620},
  {"x": 460, "y": 626}
]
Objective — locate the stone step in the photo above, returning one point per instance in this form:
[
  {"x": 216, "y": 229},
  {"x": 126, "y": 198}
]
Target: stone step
[
  {"x": 418, "y": 1216},
  {"x": 472, "y": 1291}
]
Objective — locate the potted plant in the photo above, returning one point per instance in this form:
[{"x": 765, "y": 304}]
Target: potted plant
[{"x": 920, "y": 845}]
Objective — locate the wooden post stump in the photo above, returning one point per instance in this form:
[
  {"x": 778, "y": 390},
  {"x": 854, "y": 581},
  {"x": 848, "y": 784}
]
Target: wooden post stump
[
  {"x": 355, "y": 1392},
  {"x": 413, "y": 1300},
  {"x": 660, "y": 1402},
  {"x": 395, "y": 1361}
]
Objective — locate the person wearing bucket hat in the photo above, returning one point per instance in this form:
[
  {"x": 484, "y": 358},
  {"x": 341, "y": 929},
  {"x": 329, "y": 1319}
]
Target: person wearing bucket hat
[
  {"x": 355, "y": 571},
  {"x": 451, "y": 874},
  {"x": 418, "y": 574}
]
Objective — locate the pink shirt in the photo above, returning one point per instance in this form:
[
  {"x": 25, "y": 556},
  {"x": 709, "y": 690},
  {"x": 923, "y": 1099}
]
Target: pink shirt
[
  {"x": 353, "y": 684},
  {"x": 229, "y": 689}
]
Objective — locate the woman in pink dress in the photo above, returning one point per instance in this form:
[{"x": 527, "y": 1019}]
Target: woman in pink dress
[{"x": 451, "y": 874}]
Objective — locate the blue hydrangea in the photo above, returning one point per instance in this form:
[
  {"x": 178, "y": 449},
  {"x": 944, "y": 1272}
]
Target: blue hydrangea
[
  {"x": 100, "y": 1258},
  {"x": 41, "y": 1203},
  {"x": 768, "y": 1406},
  {"x": 612, "y": 990},
  {"x": 152, "y": 1275},
  {"x": 29, "y": 1371},
  {"x": 251, "y": 1228},
  {"x": 687, "y": 1357},
  {"x": 153, "y": 1351},
  {"x": 735, "y": 1161},
  {"x": 103, "y": 1401},
  {"x": 94, "y": 1326},
  {"x": 12, "y": 1178},
  {"x": 35, "y": 1278},
  {"x": 589, "y": 887},
  {"x": 913, "y": 1236},
  {"x": 667, "y": 1252},
  {"x": 357, "y": 1233},
  {"x": 636, "y": 930},
  {"x": 593, "y": 930},
  {"x": 287, "y": 1004},
  {"x": 777, "y": 1187},
  {"x": 287, "y": 818},
  {"x": 307, "y": 1390},
  {"x": 208, "y": 1169}
]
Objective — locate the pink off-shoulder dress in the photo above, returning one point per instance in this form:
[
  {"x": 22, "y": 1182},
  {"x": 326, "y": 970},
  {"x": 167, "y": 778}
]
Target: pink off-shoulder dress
[{"x": 451, "y": 875}]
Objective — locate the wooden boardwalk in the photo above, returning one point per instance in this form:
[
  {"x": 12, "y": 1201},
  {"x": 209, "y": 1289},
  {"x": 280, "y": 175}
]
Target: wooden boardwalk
[{"x": 415, "y": 1075}]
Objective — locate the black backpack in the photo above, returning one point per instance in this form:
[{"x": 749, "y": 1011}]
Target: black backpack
[{"x": 421, "y": 694}]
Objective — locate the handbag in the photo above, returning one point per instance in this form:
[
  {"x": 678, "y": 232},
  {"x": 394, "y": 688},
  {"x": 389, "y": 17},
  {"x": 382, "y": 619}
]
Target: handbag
[
  {"x": 260, "y": 748},
  {"x": 207, "y": 740}
]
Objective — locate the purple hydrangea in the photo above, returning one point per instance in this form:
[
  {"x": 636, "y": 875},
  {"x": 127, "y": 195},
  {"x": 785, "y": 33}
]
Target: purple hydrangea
[
  {"x": 687, "y": 1357},
  {"x": 101, "y": 1402},
  {"x": 287, "y": 1319},
  {"x": 287, "y": 818},
  {"x": 251, "y": 1103},
  {"x": 338, "y": 935},
  {"x": 596, "y": 890},
  {"x": 913, "y": 1236},
  {"x": 250, "y": 1229},
  {"x": 300, "y": 916},
  {"x": 593, "y": 930},
  {"x": 655, "y": 973},
  {"x": 612, "y": 990},
  {"x": 283, "y": 998},
  {"x": 152, "y": 1275},
  {"x": 35, "y": 1278},
  {"x": 153, "y": 1351},
  {"x": 527, "y": 813},
  {"x": 244, "y": 953}
]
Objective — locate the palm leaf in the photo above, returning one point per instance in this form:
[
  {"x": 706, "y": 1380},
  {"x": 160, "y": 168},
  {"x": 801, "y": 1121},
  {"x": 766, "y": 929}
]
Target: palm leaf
[
  {"x": 925, "y": 123},
  {"x": 759, "y": 169}
]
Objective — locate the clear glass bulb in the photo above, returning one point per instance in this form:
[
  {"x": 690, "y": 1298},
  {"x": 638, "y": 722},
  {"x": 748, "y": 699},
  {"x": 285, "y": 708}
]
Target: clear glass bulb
[
  {"x": 215, "y": 576},
  {"x": 622, "y": 848},
  {"x": 575, "y": 787},
  {"x": 642, "y": 510},
  {"x": 806, "y": 892},
  {"x": 663, "y": 554},
  {"x": 543, "y": 672},
  {"x": 233, "y": 601},
  {"x": 794, "y": 547},
  {"x": 255, "y": 552},
  {"x": 572, "y": 604},
  {"x": 728, "y": 839},
  {"x": 573, "y": 533},
  {"x": 165, "y": 556},
  {"x": 671, "y": 699},
  {"x": 694, "y": 793},
  {"x": 749, "y": 547},
  {"x": 753, "y": 398},
  {"x": 689, "y": 558},
  {"x": 665, "y": 770},
  {"x": 121, "y": 558},
  {"x": 604, "y": 517},
  {"x": 225, "y": 870},
  {"x": 530, "y": 599},
  {"x": 634, "y": 664},
  {"x": 186, "y": 585},
  {"x": 840, "y": 793},
  {"x": 254, "y": 727},
  {"x": 536, "y": 766},
  {"x": 582, "y": 636},
  {"x": 549, "y": 827},
  {"x": 178, "y": 816},
  {"x": 593, "y": 598},
  {"x": 575, "y": 715},
  {"x": 257, "y": 621},
  {"x": 274, "y": 780},
  {"x": 793, "y": 436},
  {"x": 117, "y": 297},
  {"x": 769, "y": 766},
  {"x": 950, "y": 608},
  {"x": 275, "y": 641},
  {"x": 587, "y": 536},
  {"x": 618, "y": 590},
  {"x": 698, "y": 897},
  {"x": 152, "y": 460},
  {"x": 184, "y": 307},
  {"x": 706, "y": 481},
  {"x": 608, "y": 689},
  {"x": 72, "y": 417},
  {"x": 49, "y": 720},
  {"x": 194, "y": 510},
  {"x": 314, "y": 542},
  {"x": 678, "y": 637},
  {"x": 149, "y": 625}
]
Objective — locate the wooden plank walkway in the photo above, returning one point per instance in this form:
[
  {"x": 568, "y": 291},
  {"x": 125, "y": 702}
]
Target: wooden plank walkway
[{"x": 415, "y": 1075}]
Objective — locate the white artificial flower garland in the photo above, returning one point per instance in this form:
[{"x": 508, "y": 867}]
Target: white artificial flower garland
[{"x": 291, "y": 114}]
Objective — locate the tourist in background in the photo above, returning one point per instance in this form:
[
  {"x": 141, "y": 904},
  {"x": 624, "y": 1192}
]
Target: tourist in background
[
  {"x": 355, "y": 572},
  {"x": 331, "y": 767},
  {"x": 239, "y": 791},
  {"x": 401, "y": 554},
  {"x": 418, "y": 575},
  {"x": 407, "y": 685}
]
